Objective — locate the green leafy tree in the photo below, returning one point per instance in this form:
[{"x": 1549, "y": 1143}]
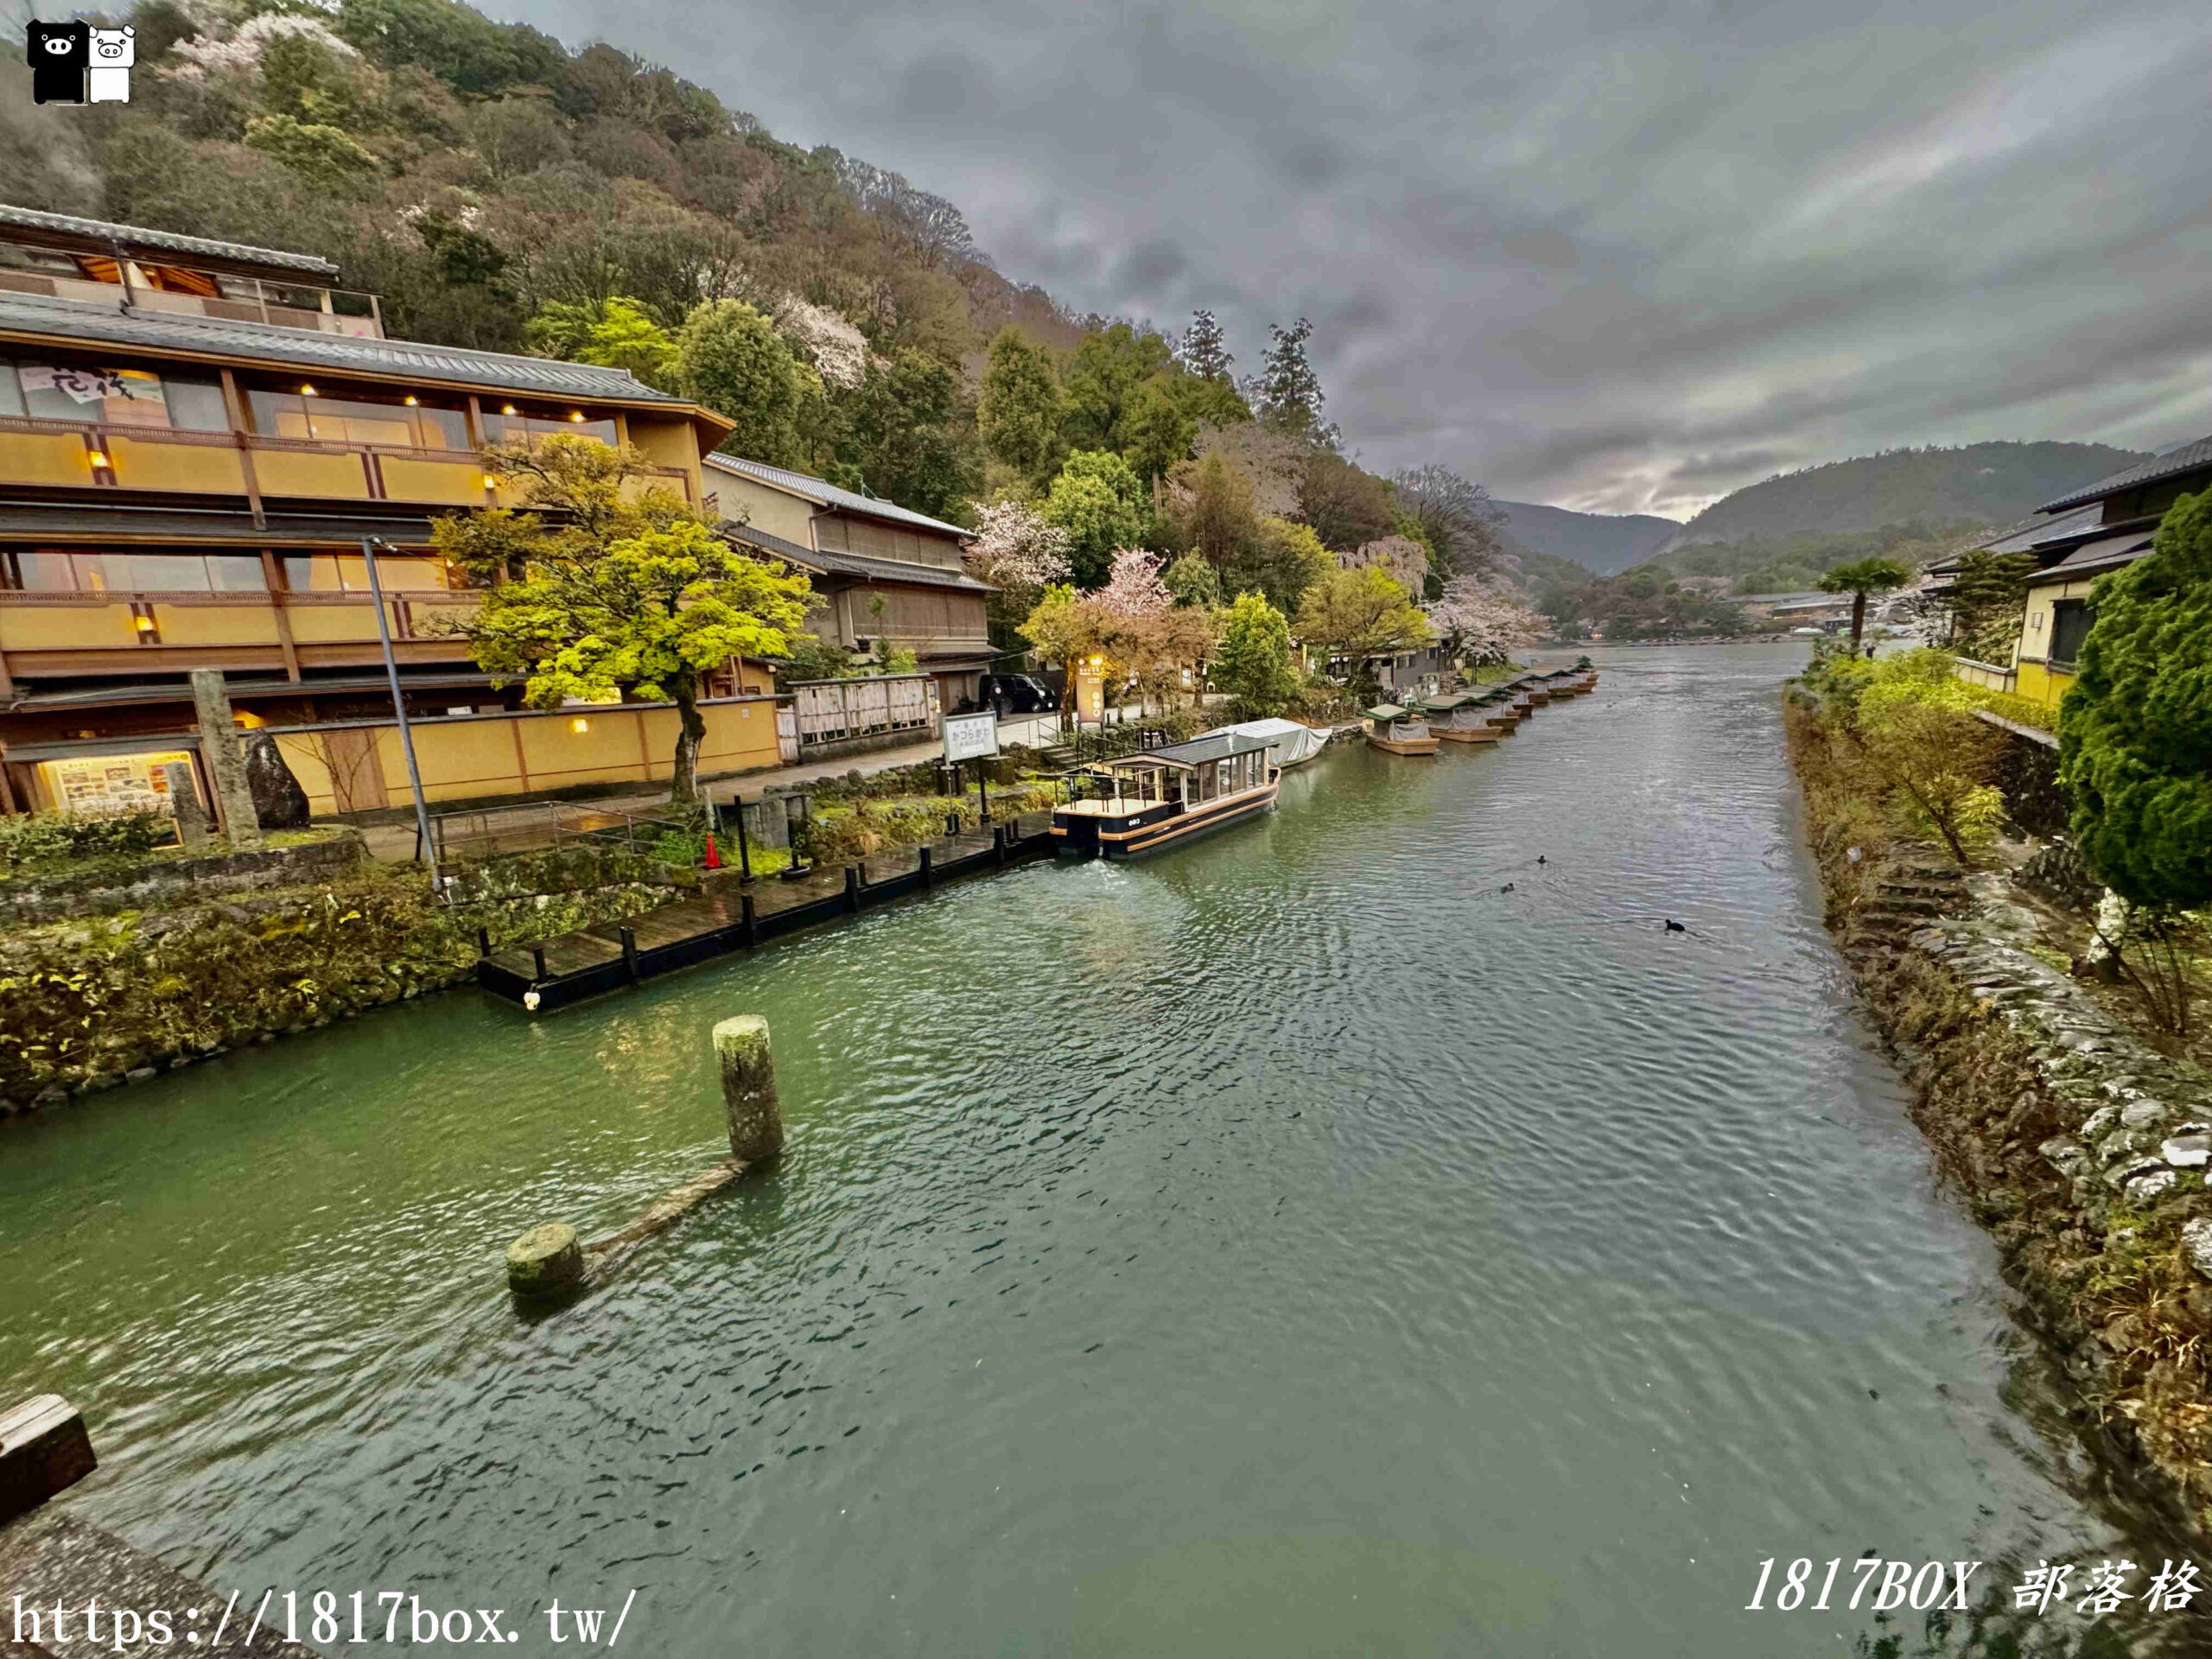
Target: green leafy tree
[
  {"x": 900, "y": 441},
  {"x": 1987, "y": 599},
  {"x": 1859, "y": 579},
  {"x": 323, "y": 155},
  {"x": 1204, "y": 349},
  {"x": 1193, "y": 580},
  {"x": 1103, "y": 374},
  {"x": 1361, "y": 613},
  {"x": 1347, "y": 506},
  {"x": 1252, "y": 662},
  {"x": 1101, "y": 504},
  {"x": 2135, "y": 731},
  {"x": 732, "y": 360},
  {"x": 1019, "y": 413},
  {"x": 1156, "y": 427},
  {"x": 1283, "y": 562},
  {"x": 610, "y": 593},
  {"x": 616, "y": 332}
]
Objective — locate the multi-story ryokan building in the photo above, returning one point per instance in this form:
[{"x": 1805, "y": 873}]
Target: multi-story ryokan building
[
  {"x": 2075, "y": 539},
  {"x": 889, "y": 578},
  {"x": 195, "y": 436}
]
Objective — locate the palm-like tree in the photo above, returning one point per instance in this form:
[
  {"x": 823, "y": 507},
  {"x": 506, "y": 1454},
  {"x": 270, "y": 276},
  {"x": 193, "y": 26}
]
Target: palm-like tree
[{"x": 1859, "y": 579}]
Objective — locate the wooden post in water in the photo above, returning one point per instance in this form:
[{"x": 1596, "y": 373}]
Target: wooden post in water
[
  {"x": 43, "y": 1450},
  {"x": 852, "y": 889},
  {"x": 630, "y": 953},
  {"x": 748, "y": 1068},
  {"x": 750, "y": 920},
  {"x": 545, "y": 1262},
  {"x": 925, "y": 866}
]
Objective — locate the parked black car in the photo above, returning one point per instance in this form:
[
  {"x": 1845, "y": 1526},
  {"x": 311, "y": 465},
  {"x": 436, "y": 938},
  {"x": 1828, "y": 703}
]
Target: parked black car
[{"x": 1016, "y": 694}]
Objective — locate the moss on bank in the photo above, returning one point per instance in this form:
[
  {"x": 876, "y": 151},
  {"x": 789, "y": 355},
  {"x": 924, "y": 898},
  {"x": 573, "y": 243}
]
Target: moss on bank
[
  {"x": 2049, "y": 1120},
  {"x": 89, "y": 1002}
]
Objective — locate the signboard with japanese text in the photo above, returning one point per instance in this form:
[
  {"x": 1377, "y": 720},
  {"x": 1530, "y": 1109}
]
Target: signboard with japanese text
[{"x": 970, "y": 737}]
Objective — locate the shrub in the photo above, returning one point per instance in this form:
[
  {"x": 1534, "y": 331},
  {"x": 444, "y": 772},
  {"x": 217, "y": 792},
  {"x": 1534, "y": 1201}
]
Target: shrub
[{"x": 45, "y": 840}]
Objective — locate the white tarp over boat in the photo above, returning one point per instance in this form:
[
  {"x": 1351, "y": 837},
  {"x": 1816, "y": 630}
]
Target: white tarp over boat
[{"x": 1289, "y": 744}]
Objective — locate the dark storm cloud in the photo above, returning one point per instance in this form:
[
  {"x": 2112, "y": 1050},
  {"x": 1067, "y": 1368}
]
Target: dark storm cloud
[{"x": 1620, "y": 254}]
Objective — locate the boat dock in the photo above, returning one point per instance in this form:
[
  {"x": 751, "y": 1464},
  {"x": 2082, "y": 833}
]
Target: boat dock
[{"x": 728, "y": 915}]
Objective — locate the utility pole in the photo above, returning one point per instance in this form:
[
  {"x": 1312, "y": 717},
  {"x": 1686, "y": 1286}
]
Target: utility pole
[{"x": 369, "y": 546}]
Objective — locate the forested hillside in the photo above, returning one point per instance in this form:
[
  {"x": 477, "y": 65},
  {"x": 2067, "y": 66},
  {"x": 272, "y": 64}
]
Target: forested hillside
[
  {"x": 501, "y": 191},
  {"x": 1599, "y": 541},
  {"x": 1979, "y": 483}
]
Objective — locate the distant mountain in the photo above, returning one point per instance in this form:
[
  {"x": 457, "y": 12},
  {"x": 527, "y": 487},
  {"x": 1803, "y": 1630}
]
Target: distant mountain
[
  {"x": 1603, "y": 543},
  {"x": 1987, "y": 483}
]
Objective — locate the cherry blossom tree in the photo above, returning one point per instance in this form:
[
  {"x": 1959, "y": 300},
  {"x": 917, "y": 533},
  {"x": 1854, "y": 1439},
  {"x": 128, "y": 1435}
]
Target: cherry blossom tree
[
  {"x": 1482, "y": 623},
  {"x": 1015, "y": 546}
]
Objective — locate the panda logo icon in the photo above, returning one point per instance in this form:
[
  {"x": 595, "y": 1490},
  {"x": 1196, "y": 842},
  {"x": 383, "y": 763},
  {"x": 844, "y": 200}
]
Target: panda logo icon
[
  {"x": 108, "y": 80},
  {"x": 60, "y": 56}
]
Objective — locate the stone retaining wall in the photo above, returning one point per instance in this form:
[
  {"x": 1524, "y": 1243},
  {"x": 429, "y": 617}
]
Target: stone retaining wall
[
  {"x": 105, "y": 888},
  {"x": 2078, "y": 1146}
]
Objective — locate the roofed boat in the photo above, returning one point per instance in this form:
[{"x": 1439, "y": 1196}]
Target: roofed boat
[
  {"x": 1459, "y": 717},
  {"x": 1399, "y": 731},
  {"x": 1289, "y": 744},
  {"x": 1169, "y": 796}
]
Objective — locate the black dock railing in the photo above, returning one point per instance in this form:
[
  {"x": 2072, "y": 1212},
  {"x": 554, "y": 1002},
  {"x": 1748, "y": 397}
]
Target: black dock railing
[{"x": 733, "y": 916}]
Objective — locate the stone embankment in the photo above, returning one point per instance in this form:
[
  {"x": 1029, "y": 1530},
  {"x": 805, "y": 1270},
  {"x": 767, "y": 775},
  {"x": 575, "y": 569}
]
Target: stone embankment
[{"x": 2075, "y": 1142}]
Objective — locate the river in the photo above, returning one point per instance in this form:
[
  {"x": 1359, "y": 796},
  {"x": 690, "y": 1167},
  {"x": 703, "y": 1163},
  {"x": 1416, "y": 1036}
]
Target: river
[{"x": 1349, "y": 1236}]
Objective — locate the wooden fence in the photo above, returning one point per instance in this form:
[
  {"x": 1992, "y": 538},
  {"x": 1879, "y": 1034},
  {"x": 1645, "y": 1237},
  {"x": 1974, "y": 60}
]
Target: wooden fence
[{"x": 833, "y": 711}]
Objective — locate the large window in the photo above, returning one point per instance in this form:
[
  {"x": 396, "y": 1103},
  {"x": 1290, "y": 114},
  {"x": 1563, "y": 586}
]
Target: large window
[
  {"x": 57, "y": 572},
  {"x": 397, "y": 422},
  {"x": 510, "y": 422},
  {"x": 348, "y": 572},
  {"x": 2069, "y": 625},
  {"x": 50, "y": 392}
]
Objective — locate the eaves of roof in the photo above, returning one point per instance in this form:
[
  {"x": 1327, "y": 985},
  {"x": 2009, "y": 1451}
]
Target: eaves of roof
[
  {"x": 2188, "y": 458},
  {"x": 824, "y": 494},
  {"x": 132, "y": 236},
  {"x": 29, "y": 317}
]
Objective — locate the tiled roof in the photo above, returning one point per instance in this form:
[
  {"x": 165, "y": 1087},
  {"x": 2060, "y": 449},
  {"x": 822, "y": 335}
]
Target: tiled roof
[
  {"x": 815, "y": 489},
  {"x": 861, "y": 565},
  {"x": 2026, "y": 538},
  {"x": 138, "y": 236},
  {"x": 2189, "y": 458},
  {"x": 305, "y": 348}
]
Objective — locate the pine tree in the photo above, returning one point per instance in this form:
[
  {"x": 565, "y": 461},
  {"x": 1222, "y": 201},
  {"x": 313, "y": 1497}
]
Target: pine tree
[
  {"x": 1286, "y": 395},
  {"x": 1204, "y": 349}
]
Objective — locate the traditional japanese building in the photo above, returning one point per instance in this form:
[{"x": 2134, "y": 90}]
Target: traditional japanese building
[
  {"x": 194, "y": 437},
  {"x": 891, "y": 579},
  {"x": 2080, "y": 537}
]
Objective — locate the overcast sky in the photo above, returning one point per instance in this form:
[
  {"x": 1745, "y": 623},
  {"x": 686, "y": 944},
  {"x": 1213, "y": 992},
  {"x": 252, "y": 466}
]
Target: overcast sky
[{"x": 1621, "y": 255}]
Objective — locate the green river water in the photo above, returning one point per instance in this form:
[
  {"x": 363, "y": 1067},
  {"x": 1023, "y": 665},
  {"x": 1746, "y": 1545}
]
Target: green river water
[{"x": 1294, "y": 1245}]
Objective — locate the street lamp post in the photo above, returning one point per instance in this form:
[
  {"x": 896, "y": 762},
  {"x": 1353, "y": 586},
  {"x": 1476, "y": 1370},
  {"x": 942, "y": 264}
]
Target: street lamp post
[{"x": 369, "y": 546}]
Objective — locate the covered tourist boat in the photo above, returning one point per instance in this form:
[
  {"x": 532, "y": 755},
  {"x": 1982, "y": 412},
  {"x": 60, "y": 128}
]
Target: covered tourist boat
[
  {"x": 1399, "y": 731},
  {"x": 1289, "y": 744},
  {"x": 1169, "y": 796},
  {"x": 1498, "y": 711},
  {"x": 1458, "y": 717}
]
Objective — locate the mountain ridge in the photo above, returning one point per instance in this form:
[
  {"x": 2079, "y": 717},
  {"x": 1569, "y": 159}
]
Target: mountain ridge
[
  {"x": 1601, "y": 543},
  {"x": 1996, "y": 482}
]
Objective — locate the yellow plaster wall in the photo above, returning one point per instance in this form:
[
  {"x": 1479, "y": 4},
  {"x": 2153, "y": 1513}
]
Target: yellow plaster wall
[
  {"x": 140, "y": 464},
  {"x": 44, "y": 458},
  {"x": 65, "y": 627},
  {"x": 449, "y": 483},
  {"x": 298, "y": 471},
  {"x": 756, "y": 504}
]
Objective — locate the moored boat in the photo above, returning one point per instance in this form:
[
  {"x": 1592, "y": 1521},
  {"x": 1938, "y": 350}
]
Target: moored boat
[
  {"x": 1399, "y": 731},
  {"x": 1458, "y": 717},
  {"x": 1169, "y": 796},
  {"x": 1289, "y": 744},
  {"x": 1498, "y": 711}
]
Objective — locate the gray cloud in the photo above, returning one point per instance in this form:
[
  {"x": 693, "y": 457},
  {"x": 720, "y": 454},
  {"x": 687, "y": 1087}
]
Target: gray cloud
[{"x": 1618, "y": 254}]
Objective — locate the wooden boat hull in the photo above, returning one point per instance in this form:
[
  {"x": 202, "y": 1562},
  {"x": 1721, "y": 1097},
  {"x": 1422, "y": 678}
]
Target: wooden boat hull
[
  {"x": 1480, "y": 734},
  {"x": 1403, "y": 745},
  {"x": 1155, "y": 829}
]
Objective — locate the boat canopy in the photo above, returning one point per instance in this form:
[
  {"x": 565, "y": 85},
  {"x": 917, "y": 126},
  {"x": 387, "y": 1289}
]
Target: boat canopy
[
  {"x": 1189, "y": 757},
  {"x": 1292, "y": 741},
  {"x": 1443, "y": 701},
  {"x": 1387, "y": 711}
]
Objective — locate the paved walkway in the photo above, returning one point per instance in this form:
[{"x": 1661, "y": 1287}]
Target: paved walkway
[{"x": 394, "y": 843}]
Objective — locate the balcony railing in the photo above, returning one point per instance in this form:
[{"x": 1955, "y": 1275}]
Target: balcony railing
[
  {"x": 92, "y": 454},
  {"x": 239, "y": 299}
]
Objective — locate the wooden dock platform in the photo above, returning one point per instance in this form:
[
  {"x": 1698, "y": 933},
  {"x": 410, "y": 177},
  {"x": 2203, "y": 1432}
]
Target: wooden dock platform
[{"x": 728, "y": 916}]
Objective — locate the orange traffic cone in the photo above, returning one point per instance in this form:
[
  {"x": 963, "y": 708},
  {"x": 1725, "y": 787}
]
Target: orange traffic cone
[{"x": 714, "y": 856}]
